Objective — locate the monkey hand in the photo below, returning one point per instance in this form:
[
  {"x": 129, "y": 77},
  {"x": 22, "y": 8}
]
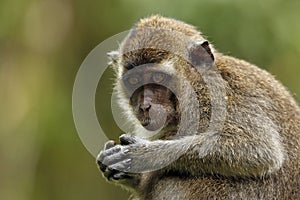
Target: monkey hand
[
  {"x": 115, "y": 160},
  {"x": 135, "y": 156},
  {"x": 106, "y": 163}
]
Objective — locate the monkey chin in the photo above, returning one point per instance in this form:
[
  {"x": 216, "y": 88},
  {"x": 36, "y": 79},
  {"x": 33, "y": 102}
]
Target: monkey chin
[
  {"x": 156, "y": 118},
  {"x": 153, "y": 124}
]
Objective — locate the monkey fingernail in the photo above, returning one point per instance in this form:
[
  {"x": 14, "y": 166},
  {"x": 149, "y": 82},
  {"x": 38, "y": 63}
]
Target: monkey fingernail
[{"x": 109, "y": 144}]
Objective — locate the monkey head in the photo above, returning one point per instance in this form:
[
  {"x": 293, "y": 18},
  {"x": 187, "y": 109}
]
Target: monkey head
[
  {"x": 151, "y": 97},
  {"x": 150, "y": 66}
]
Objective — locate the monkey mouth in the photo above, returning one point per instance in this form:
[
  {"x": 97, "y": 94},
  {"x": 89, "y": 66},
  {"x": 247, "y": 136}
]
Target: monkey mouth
[
  {"x": 146, "y": 121},
  {"x": 153, "y": 119},
  {"x": 152, "y": 124}
]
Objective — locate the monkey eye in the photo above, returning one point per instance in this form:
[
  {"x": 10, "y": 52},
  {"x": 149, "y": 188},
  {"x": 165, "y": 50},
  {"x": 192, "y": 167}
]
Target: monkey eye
[
  {"x": 133, "y": 80},
  {"x": 159, "y": 77}
]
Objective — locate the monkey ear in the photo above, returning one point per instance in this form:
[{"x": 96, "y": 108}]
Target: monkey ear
[
  {"x": 200, "y": 53},
  {"x": 113, "y": 58}
]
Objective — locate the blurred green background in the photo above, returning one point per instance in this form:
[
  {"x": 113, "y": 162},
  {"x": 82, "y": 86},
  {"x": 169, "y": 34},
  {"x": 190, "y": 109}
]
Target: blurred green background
[{"x": 43, "y": 43}]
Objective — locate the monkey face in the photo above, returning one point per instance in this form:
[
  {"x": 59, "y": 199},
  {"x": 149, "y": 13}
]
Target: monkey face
[{"x": 153, "y": 103}]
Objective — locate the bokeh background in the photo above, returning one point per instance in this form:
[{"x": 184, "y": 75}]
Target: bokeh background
[{"x": 43, "y": 43}]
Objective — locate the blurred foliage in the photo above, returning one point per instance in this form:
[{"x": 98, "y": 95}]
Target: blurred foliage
[{"x": 43, "y": 43}]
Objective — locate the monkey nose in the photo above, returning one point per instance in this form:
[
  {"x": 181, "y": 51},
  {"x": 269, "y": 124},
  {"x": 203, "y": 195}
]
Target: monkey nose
[{"x": 145, "y": 107}]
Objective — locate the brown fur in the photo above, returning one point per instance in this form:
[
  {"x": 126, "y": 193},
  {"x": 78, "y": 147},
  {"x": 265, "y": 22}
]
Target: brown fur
[{"x": 249, "y": 160}]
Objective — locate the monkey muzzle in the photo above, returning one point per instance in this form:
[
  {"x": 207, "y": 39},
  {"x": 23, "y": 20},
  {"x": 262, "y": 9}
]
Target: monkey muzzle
[{"x": 154, "y": 117}]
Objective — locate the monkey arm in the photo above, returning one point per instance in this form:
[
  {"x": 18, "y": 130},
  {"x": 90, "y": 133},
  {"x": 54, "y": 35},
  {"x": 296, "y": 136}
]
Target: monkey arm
[
  {"x": 231, "y": 155},
  {"x": 206, "y": 153}
]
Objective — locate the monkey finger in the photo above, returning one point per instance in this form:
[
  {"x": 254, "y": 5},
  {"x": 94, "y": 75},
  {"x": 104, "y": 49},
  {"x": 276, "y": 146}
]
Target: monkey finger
[
  {"x": 115, "y": 158},
  {"x": 122, "y": 166},
  {"x": 127, "y": 139},
  {"x": 108, "y": 152},
  {"x": 120, "y": 175},
  {"x": 108, "y": 173},
  {"x": 102, "y": 167},
  {"x": 109, "y": 144}
]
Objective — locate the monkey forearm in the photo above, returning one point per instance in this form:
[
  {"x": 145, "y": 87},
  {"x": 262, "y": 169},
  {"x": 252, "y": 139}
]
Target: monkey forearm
[
  {"x": 199, "y": 154},
  {"x": 219, "y": 154}
]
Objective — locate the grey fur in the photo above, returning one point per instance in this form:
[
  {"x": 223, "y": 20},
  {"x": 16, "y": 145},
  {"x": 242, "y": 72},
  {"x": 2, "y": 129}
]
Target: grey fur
[{"x": 250, "y": 150}]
